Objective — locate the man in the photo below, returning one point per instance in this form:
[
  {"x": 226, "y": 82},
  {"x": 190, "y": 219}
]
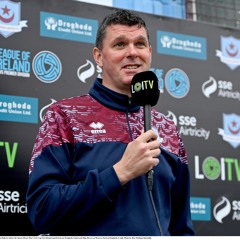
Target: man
[{"x": 93, "y": 182}]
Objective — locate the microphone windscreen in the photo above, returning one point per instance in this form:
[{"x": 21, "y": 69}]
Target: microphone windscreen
[{"x": 144, "y": 89}]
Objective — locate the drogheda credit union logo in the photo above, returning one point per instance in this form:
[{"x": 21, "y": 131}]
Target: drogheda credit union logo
[
  {"x": 10, "y": 18},
  {"x": 231, "y": 129},
  {"x": 68, "y": 27},
  {"x": 18, "y": 109},
  {"x": 177, "y": 83},
  {"x": 200, "y": 208},
  {"x": 182, "y": 45},
  {"x": 230, "y": 52},
  {"x": 47, "y": 67}
]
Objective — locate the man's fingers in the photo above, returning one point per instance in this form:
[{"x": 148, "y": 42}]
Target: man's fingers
[{"x": 148, "y": 136}]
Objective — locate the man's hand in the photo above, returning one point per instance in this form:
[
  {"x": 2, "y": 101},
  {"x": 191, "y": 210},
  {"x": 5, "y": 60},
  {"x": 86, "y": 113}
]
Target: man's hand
[{"x": 140, "y": 156}]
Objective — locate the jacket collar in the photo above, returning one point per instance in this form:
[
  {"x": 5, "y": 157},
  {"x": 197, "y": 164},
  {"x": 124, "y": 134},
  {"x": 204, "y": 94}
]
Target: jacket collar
[{"x": 111, "y": 99}]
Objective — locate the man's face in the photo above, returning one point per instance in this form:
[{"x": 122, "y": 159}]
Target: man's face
[{"x": 126, "y": 51}]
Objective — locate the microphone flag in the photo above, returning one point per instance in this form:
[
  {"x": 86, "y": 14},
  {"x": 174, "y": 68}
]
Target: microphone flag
[{"x": 144, "y": 89}]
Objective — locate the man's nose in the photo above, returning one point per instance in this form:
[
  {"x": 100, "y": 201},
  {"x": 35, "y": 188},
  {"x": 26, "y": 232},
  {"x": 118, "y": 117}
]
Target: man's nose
[{"x": 132, "y": 51}]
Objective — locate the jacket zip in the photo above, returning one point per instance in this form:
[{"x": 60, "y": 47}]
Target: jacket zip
[{"x": 127, "y": 119}]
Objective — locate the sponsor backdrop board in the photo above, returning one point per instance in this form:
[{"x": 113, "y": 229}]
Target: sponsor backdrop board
[{"x": 46, "y": 55}]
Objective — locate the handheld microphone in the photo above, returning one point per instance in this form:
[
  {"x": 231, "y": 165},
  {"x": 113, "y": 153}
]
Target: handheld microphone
[{"x": 145, "y": 92}]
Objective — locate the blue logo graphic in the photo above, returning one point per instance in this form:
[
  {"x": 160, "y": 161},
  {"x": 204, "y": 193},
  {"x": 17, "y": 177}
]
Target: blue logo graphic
[
  {"x": 18, "y": 109},
  {"x": 159, "y": 74},
  {"x": 200, "y": 208},
  {"x": 177, "y": 83},
  {"x": 181, "y": 45},
  {"x": 230, "y": 52},
  {"x": 68, "y": 27},
  {"x": 47, "y": 67},
  {"x": 231, "y": 131},
  {"x": 10, "y": 18}
]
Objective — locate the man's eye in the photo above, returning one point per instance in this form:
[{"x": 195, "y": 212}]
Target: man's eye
[
  {"x": 140, "y": 44},
  {"x": 119, "y": 44}
]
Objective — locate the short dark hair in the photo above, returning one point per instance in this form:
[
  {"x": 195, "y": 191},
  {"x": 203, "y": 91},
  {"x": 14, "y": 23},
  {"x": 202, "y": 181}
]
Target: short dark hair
[{"x": 119, "y": 16}]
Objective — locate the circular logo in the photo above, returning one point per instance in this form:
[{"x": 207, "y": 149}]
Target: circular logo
[
  {"x": 47, "y": 67},
  {"x": 177, "y": 83},
  {"x": 211, "y": 168},
  {"x": 137, "y": 87}
]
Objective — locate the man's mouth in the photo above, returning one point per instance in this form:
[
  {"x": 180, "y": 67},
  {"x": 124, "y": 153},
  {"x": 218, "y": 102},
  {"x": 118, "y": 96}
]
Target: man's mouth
[{"x": 131, "y": 66}]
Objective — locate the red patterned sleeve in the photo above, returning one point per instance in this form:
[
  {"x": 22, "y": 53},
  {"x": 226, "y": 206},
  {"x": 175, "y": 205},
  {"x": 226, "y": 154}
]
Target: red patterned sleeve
[{"x": 54, "y": 130}]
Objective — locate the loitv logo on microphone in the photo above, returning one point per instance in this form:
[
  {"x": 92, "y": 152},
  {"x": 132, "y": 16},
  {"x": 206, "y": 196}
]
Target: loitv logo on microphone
[{"x": 144, "y": 85}]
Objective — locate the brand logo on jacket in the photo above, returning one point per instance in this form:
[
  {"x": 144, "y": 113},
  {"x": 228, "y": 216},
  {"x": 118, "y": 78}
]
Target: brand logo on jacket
[{"x": 97, "y": 128}]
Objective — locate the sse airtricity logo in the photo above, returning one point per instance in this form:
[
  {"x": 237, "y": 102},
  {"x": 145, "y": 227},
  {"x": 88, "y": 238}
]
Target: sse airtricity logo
[
  {"x": 227, "y": 210},
  {"x": 87, "y": 70},
  {"x": 47, "y": 67},
  {"x": 209, "y": 87},
  {"x": 223, "y": 88},
  {"x": 42, "y": 111},
  {"x": 222, "y": 209},
  {"x": 188, "y": 126},
  {"x": 177, "y": 83}
]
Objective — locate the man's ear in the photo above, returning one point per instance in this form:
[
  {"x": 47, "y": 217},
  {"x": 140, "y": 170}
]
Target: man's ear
[
  {"x": 150, "y": 49},
  {"x": 97, "y": 54}
]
